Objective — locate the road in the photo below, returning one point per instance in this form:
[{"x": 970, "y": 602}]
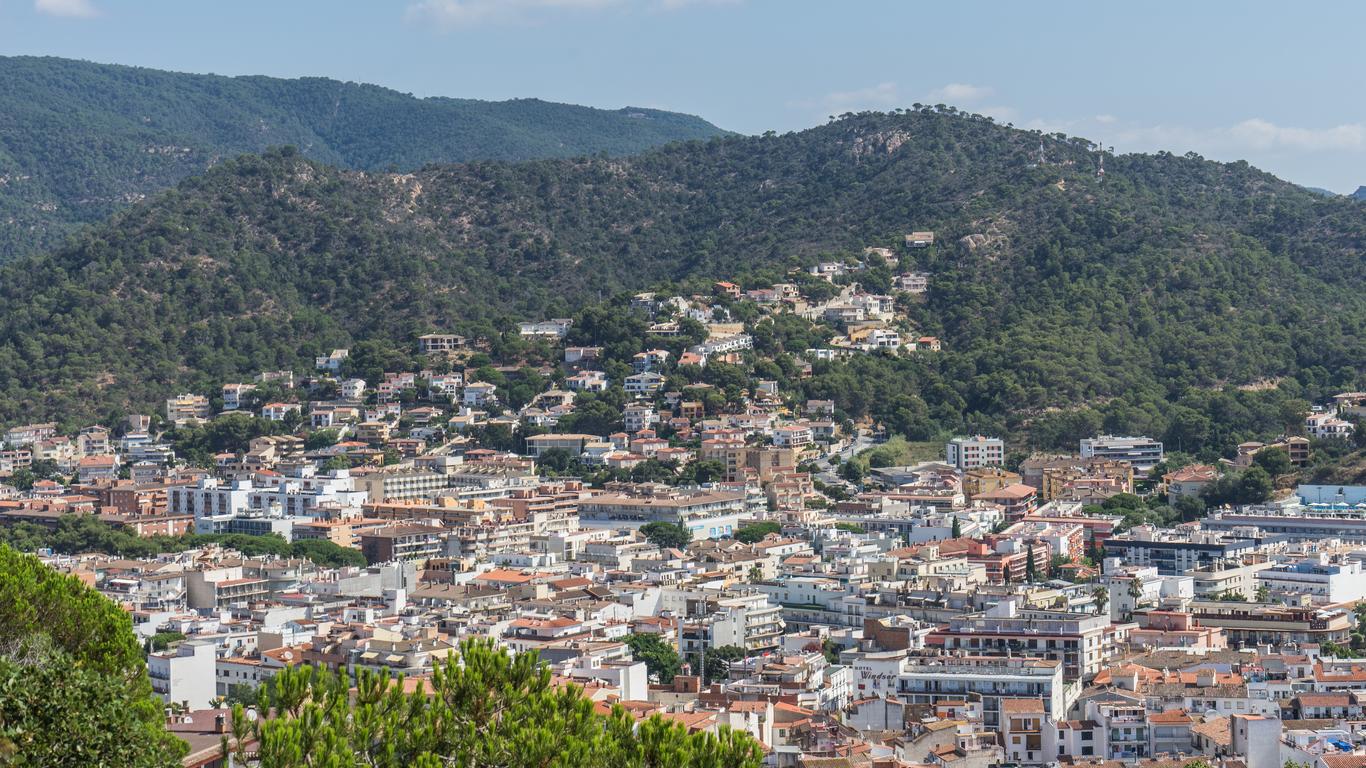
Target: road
[{"x": 828, "y": 466}]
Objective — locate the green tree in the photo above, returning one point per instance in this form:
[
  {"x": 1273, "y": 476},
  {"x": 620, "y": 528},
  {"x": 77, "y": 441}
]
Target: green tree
[
  {"x": 163, "y": 640},
  {"x": 702, "y": 472},
  {"x": 484, "y": 707},
  {"x": 666, "y": 535},
  {"x": 73, "y": 684},
  {"x": 1276, "y": 461},
  {"x": 1190, "y": 508},
  {"x": 557, "y": 460},
  {"x": 339, "y": 461},
  {"x": 326, "y": 553},
  {"x": 1101, "y": 596},
  {"x": 755, "y": 532},
  {"x": 716, "y": 661},
  {"x": 1254, "y": 486},
  {"x": 660, "y": 658},
  {"x": 321, "y": 438}
]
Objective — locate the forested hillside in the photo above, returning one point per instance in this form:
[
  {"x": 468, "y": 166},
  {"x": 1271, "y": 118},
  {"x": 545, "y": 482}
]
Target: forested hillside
[
  {"x": 1051, "y": 288},
  {"x": 81, "y": 140}
]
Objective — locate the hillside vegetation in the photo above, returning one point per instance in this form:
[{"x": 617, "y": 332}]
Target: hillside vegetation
[
  {"x": 1054, "y": 292},
  {"x": 81, "y": 140}
]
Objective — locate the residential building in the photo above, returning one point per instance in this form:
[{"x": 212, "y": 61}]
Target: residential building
[
  {"x": 185, "y": 408},
  {"x": 234, "y": 395},
  {"x": 439, "y": 343},
  {"x": 976, "y": 451},
  {"x": 931, "y": 679},
  {"x": 1327, "y": 426},
  {"x": 1188, "y": 482},
  {"x": 1142, "y": 453},
  {"x": 185, "y": 674},
  {"x": 1081, "y": 642},
  {"x": 644, "y": 384},
  {"x": 409, "y": 541},
  {"x": 1319, "y": 580},
  {"x": 706, "y": 513},
  {"x": 1175, "y": 552}
]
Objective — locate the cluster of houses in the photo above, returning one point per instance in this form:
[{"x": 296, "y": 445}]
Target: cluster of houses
[{"x": 944, "y": 613}]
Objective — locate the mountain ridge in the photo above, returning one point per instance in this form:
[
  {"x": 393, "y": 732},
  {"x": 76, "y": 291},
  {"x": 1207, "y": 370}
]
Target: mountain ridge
[
  {"x": 80, "y": 140},
  {"x": 1052, "y": 287}
]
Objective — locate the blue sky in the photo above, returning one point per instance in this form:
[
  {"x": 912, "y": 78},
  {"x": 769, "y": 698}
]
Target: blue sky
[{"x": 1278, "y": 84}]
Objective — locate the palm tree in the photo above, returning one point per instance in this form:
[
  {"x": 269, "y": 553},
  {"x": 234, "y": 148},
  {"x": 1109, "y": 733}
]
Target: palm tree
[{"x": 1102, "y": 597}]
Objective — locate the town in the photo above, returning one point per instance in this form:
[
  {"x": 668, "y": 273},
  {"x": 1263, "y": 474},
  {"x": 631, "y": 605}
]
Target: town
[{"x": 637, "y": 496}]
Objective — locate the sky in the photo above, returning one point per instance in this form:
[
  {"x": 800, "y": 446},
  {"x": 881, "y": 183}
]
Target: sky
[{"x": 1277, "y": 84}]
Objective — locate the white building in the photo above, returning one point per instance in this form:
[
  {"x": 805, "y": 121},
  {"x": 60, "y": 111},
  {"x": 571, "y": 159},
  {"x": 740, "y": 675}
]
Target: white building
[
  {"x": 185, "y": 674},
  {"x": 976, "y": 451},
  {"x": 213, "y": 502},
  {"x": 209, "y": 497},
  {"x": 644, "y": 384},
  {"x": 352, "y": 389},
  {"x": 638, "y": 417},
  {"x": 547, "y": 329},
  {"x": 1322, "y": 581},
  {"x": 586, "y": 381},
  {"x": 1141, "y": 452},
  {"x": 794, "y": 436},
  {"x": 1325, "y": 426},
  {"x": 747, "y": 621},
  {"x": 332, "y": 362},
  {"x": 930, "y": 680},
  {"x": 233, "y": 395},
  {"x": 479, "y": 393}
]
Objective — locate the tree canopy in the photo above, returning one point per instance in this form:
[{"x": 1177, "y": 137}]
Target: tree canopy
[
  {"x": 84, "y": 139},
  {"x": 483, "y": 707},
  {"x": 73, "y": 684}
]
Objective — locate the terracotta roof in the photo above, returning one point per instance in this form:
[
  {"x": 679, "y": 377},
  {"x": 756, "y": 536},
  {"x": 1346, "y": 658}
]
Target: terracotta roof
[
  {"x": 1218, "y": 730},
  {"x": 1022, "y": 706},
  {"x": 1324, "y": 699},
  {"x": 505, "y": 575}
]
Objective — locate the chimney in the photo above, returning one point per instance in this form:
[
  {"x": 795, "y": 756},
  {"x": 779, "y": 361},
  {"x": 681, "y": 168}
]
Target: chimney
[{"x": 220, "y": 723}]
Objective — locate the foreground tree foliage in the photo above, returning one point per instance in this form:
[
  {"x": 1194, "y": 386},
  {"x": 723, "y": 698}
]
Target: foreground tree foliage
[
  {"x": 73, "y": 685},
  {"x": 484, "y": 707}
]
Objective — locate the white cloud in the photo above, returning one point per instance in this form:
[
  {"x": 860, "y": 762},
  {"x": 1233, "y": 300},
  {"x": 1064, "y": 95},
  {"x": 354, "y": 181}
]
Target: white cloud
[
  {"x": 673, "y": 5},
  {"x": 450, "y": 14},
  {"x": 1255, "y": 135},
  {"x": 878, "y": 96},
  {"x": 1106, "y": 119},
  {"x": 1260, "y": 134},
  {"x": 466, "y": 13},
  {"x": 959, "y": 93},
  {"x": 1000, "y": 113},
  {"x": 70, "y": 9}
]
